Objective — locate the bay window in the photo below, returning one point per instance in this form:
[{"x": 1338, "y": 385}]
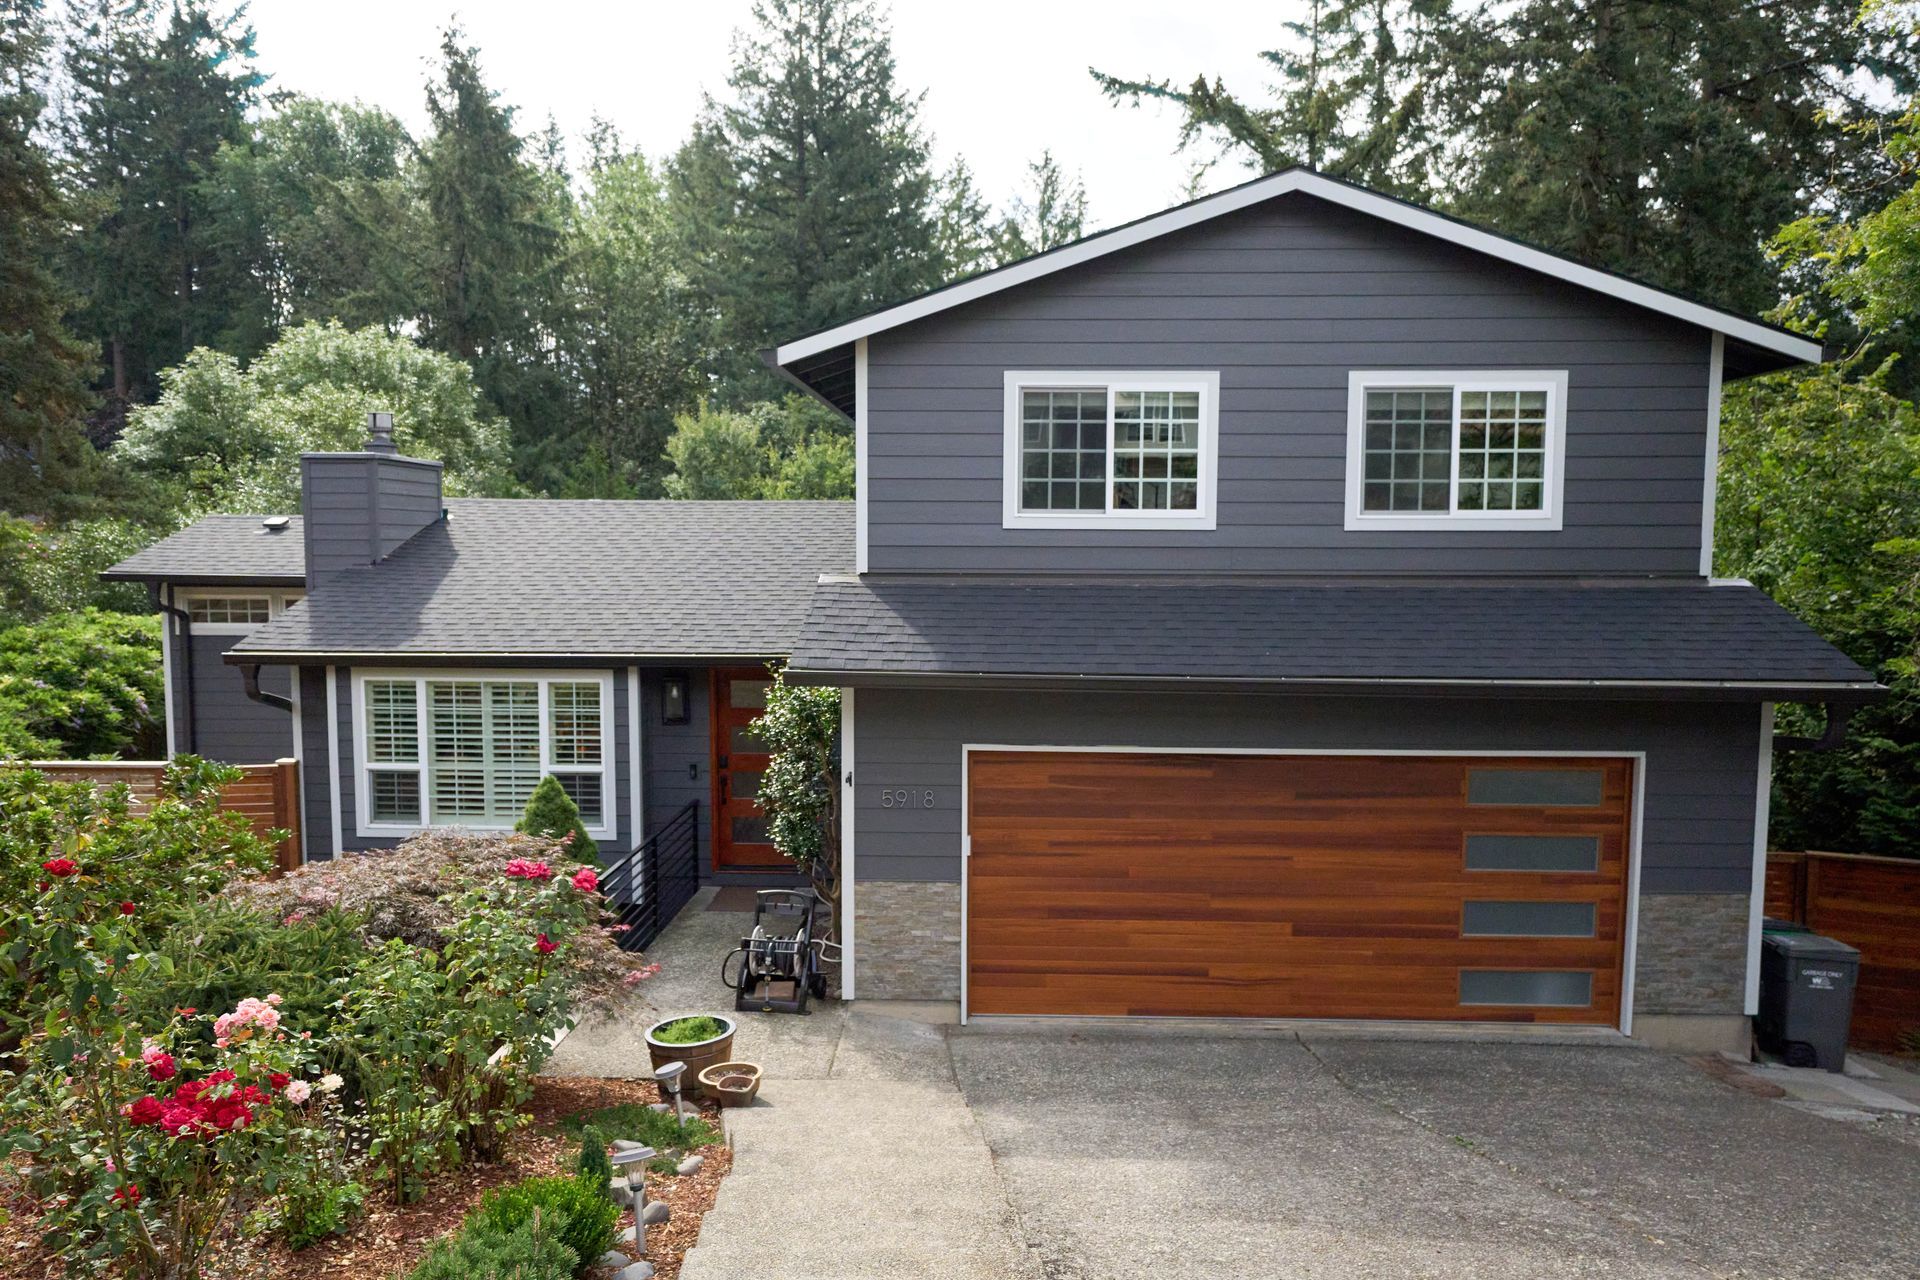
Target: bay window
[{"x": 467, "y": 750}]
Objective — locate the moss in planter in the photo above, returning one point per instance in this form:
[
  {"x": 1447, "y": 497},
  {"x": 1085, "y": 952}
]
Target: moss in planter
[{"x": 690, "y": 1030}]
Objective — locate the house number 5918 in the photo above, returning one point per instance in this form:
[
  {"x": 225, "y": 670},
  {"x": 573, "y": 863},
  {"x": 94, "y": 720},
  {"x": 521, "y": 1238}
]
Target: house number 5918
[{"x": 906, "y": 798}]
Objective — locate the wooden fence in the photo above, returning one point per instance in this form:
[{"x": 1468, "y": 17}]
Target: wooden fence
[
  {"x": 1866, "y": 902},
  {"x": 268, "y": 795}
]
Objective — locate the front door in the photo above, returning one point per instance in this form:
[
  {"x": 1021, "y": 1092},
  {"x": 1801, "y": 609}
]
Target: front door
[{"x": 739, "y": 759}]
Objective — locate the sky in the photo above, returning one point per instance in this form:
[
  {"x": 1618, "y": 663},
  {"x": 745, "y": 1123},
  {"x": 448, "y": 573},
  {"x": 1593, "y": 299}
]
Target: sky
[{"x": 1003, "y": 80}]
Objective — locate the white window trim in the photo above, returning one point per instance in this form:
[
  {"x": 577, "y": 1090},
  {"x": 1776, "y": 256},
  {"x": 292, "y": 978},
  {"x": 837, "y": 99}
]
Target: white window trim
[
  {"x": 364, "y": 824},
  {"x": 1546, "y": 520},
  {"x": 278, "y": 602},
  {"x": 1202, "y": 517}
]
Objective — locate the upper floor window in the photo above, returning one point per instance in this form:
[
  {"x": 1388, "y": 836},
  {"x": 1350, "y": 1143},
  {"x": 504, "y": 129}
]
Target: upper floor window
[
  {"x": 229, "y": 613},
  {"x": 1444, "y": 450},
  {"x": 1110, "y": 450}
]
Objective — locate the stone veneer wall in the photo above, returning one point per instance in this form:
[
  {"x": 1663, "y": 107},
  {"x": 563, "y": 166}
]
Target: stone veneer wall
[
  {"x": 1692, "y": 955},
  {"x": 907, "y": 940}
]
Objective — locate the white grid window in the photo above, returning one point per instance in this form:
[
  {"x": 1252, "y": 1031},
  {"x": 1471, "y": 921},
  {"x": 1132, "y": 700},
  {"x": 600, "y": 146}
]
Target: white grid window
[
  {"x": 226, "y": 610},
  {"x": 1111, "y": 450},
  {"x": 468, "y": 751},
  {"x": 1470, "y": 451}
]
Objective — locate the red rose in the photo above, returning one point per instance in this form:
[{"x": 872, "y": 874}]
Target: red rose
[
  {"x": 60, "y": 867},
  {"x": 126, "y": 908},
  {"x": 160, "y": 1066},
  {"x": 279, "y": 1079},
  {"x": 128, "y": 1195},
  {"x": 147, "y": 1110},
  {"x": 545, "y": 945},
  {"x": 221, "y": 1077}
]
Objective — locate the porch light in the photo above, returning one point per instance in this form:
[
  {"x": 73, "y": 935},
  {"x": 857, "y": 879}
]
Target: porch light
[{"x": 673, "y": 698}]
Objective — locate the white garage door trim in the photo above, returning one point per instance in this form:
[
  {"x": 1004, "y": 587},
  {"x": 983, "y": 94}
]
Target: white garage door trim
[{"x": 1639, "y": 759}]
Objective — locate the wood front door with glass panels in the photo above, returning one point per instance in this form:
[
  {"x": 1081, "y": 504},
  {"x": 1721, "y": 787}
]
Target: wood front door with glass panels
[{"x": 739, "y": 759}]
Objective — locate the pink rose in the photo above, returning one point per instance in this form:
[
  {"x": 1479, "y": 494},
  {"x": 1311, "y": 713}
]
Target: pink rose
[{"x": 298, "y": 1092}]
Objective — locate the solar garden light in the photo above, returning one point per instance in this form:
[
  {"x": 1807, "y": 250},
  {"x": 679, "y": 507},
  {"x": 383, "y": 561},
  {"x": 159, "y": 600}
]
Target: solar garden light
[
  {"x": 668, "y": 1074},
  {"x": 633, "y": 1165}
]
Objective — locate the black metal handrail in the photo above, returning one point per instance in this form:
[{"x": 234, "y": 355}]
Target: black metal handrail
[{"x": 648, "y": 887}]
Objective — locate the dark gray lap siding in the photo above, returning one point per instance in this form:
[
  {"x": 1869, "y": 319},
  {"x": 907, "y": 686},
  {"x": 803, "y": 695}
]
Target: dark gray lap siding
[
  {"x": 1284, "y": 300},
  {"x": 227, "y": 724},
  {"x": 1697, "y": 834}
]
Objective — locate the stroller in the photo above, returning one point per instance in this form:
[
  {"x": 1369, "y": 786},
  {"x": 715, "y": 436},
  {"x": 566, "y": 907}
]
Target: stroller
[{"x": 779, "y": 962}]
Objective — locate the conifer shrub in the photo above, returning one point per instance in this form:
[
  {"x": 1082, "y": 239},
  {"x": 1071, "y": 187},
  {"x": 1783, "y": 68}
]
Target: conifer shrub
[{"x": 552, "y": 813}]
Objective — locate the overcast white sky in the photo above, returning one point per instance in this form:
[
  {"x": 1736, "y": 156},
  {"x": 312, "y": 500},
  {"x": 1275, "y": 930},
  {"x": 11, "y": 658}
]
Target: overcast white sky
[{"x": 1003, "y": 79}]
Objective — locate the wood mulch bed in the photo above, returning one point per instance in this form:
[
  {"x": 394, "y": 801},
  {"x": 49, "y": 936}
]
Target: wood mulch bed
[{"x": 389, "y": 1240}]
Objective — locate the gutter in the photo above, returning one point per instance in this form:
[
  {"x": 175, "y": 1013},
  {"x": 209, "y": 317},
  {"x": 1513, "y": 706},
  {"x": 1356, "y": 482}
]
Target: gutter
[
  {"x": 170, "y": 612},
  {"x": 250, "y": 678}
]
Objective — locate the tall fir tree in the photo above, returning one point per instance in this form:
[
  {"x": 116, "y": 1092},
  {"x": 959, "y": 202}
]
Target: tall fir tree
[
  {"x": 828, "y": 209},
  {"x": 1670, "y": 142},
  {"x": 964, "y": 239},
  {"x": 155, "y": 95},
  {"x": 45, "y": 458},
  {"x": 1350, "y": 99},
  {"x": 490, "y": 258},
  {"x": 1052, "y": 213}
]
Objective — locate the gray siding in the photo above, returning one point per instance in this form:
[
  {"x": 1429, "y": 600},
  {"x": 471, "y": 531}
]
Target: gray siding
[
  {"x": 1699, "y": 789},
  {"x": 358, "y": 508},
  {"x": 1284, "y": 300},
  {"x": 316, "y": 793},
  {"x": 679, "y": 758},
  {"x": 610, "y": 848},
  {"x": 227, "y": 724}
]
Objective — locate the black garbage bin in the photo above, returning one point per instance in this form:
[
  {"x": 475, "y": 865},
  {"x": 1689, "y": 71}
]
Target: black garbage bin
[{"x": 1806, "y": 998}]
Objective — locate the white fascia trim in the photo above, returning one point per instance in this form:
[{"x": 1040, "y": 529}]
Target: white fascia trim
[
  {"x": 1757, "y": 891},
  {"x": 1383, "y": 207},
  {"x": 849, "y": 852},
  {"x": 1630, "y": 928},
  {"x": 334, "y": 762},
  {"x": 1551, "y": 516},
  {"x": 1202, "y": 518},
  {"x": 364, "y": 825},
  {"x": 862, "y": 472},
  {"x": 1710, "y": 486}
]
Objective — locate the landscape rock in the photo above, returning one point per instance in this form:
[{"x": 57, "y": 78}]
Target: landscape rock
[
  {"x": 622, "y": 1194},
  {"x": 641, "y": 1270},
  {"x": 614, "y": 1258},
  {"x": 627, "y": 1144},
  {"x": 690, "y": 1165},
  {"x": 655, "y": 1213},
  {"x": 662, "y": 1107}
]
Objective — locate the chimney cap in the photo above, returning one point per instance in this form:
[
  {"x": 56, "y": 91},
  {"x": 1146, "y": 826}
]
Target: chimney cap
[{"x": 380, "y": 433}]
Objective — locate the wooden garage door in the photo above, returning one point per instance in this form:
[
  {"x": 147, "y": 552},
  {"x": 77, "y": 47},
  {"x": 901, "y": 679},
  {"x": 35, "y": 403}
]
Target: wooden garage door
[{"x": 1297, "y": 886}]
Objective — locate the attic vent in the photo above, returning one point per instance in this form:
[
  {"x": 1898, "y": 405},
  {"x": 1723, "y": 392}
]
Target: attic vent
[{"x": 276, "y": 524}]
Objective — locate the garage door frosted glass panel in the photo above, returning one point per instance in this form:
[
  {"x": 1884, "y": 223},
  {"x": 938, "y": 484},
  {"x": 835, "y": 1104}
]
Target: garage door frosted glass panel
[
  {"x": 1556, "y": 988},
  {"x": 1527, "y": 919},
  {"x": 1571, "y": 788},
  {"x": 1533, "y": 853}
]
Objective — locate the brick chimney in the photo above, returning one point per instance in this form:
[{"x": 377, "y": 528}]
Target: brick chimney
[{"x": 359, "y": 507}]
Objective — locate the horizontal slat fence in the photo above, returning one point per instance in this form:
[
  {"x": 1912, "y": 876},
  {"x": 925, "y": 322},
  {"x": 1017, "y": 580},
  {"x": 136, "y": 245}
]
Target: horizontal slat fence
[
  {"x": 1866, "y": 902},
  {"x": 267, "y": 795}
]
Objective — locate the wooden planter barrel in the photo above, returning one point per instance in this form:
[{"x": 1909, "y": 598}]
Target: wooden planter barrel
[{"x": 698, "y": 1055}]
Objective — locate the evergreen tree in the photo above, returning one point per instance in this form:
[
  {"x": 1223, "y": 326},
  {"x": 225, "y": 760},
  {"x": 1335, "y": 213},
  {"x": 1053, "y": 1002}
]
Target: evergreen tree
[
  {"x": 490, "y": 256},
  {"x": 552, "y": 813},
  {"x": 828, "y": 208},
  {"x": 153, "y": 102},
  {"x": 44, "y": 453},
  {"x": 1054, "y": 214},
  {"x": 1350, "y": 101},
  {"x": 964, "y": 240},
  {"x": 1670, "y": 142}
]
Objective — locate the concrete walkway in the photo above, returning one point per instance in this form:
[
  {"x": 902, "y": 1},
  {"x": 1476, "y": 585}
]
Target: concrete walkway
[
  {"x": 890, "y": 1145},
  {"x": 859, "y": 1159}
]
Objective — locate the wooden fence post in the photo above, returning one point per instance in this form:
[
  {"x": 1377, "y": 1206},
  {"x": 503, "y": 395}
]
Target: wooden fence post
[{"x": 286, "y": 811}]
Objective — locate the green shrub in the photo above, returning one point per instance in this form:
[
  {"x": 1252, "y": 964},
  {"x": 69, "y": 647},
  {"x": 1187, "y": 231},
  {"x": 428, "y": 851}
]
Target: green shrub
[
  {"x": 310, "y": 1218},
  {"x": 551, "y": 812},
  {"x": 593, "y": 1167},
  {"x": 81, "y": 685},
  {"x": 637, "y": 1122},
  {"x": 690, "y": 1030},
  {"x": 482, "y": 1253},
  {"x": 581, "y": 1217}
]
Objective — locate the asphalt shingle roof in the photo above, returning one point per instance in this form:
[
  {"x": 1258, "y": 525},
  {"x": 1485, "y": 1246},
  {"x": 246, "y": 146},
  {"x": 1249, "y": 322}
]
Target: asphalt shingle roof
[
  {"x": 509, "y": 577},
  {"x": 1337, "y": 632},
  {"x": 221, "y": 549}
]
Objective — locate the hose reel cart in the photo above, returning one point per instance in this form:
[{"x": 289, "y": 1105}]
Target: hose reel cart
[{"x": 779, "y": 962}]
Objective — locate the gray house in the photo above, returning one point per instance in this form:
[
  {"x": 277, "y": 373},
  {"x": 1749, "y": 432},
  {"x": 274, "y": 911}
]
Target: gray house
[{"x": 1294, "y": 604}]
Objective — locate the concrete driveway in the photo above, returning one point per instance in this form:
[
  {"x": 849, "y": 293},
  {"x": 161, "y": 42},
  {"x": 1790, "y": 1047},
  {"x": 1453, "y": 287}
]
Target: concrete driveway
[
  {"x": 1367, "y": 1158},
  {"x": 887, "y": 1145}
]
